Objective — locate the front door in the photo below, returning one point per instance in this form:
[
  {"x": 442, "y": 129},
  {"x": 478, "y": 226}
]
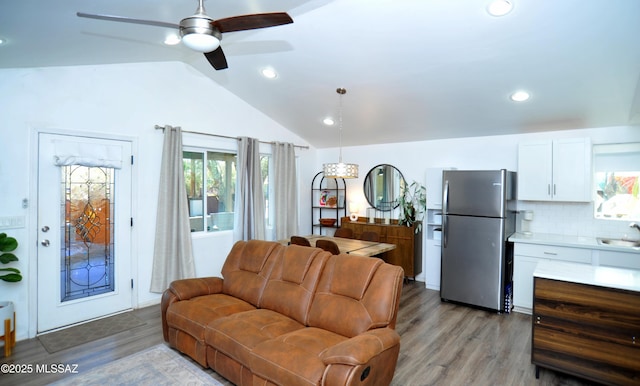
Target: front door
[{"x": 84, "y": 229}]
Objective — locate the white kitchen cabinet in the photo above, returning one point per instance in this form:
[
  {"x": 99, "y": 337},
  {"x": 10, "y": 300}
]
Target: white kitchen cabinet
[
  {"x": 433, "y": 220},
  {"x": 526, "y": 258},
  {"x": 555, "y": 170},
  {"x": 616, "y": 259}
]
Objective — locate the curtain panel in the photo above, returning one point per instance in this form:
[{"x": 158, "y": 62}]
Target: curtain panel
[
  {"x": 285, "y": 190},
  {"x": 249, "y": 218},
  {"x": 172, "y": 254}
]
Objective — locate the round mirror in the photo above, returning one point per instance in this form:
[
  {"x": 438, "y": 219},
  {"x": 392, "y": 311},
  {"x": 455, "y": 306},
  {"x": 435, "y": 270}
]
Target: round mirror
[{"x": 383, "y": 186}]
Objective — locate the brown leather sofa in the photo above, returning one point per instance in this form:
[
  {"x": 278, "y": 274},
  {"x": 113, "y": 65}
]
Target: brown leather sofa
[{"x": 289, "y": 315}]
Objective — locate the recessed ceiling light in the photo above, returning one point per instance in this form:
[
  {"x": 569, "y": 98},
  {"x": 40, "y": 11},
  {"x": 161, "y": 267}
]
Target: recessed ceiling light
[
  {"x": 520, "y": 96},
  {"x": 2, "y": 41},
  {"x": 172, "y": 40},
  {"x": 328, "y": 121},
  {"x": 499, "y": 7},
  {"x": 269, "y": 73}
]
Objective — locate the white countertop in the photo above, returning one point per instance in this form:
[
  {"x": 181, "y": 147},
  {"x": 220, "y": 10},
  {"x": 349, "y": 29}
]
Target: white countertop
[
  {"x": 627, "y": 279},
  {"x": 567, "y": 241}
]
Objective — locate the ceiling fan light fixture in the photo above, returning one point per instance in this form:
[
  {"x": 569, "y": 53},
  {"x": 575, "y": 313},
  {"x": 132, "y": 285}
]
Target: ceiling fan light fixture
[{"x": 199, "y": 33}]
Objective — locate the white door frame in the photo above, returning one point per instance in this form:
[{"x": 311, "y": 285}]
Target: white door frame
[{"x": 32, "y": 221}]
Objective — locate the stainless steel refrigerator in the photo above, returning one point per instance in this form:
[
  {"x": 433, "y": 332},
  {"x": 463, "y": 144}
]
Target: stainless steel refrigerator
[{"x": 478, "y": 216}]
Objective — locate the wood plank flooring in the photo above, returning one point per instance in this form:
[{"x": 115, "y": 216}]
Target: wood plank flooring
[{"x": 442, "y": 344}]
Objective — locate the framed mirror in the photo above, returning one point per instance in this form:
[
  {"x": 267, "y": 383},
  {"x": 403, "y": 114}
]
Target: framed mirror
[{"x": 383, "y": 186}]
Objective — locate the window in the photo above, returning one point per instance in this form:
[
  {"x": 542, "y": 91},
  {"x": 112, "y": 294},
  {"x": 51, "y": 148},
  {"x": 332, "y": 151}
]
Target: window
[
  {"x": 616, "y": 179},
  {"x": 211, "y": 191}
]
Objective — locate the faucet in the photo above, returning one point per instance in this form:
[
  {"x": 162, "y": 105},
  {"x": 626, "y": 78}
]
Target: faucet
[{"x": 635, "y": 225}]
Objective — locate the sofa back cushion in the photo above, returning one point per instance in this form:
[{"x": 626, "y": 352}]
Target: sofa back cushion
[
  {"x": 293, "y": 281},
  {"x": 356, "y": 294},
  {"x": 247, "y": 269}
]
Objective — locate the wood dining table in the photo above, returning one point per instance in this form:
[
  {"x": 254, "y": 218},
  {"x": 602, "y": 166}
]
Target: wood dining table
[{"x": 351, "y": 246}]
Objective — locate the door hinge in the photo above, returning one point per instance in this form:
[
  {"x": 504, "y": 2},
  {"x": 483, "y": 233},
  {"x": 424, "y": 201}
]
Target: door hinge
[
  {"x": 131, "y": 160},
  {"x": 131, "y": 283}
]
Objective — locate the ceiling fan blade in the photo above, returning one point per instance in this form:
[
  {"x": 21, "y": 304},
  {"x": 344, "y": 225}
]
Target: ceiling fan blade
[
  {"x": 253, "y": 21},
  {"x": 217, "y": 59},
  {"x": 123, "y": 19}
]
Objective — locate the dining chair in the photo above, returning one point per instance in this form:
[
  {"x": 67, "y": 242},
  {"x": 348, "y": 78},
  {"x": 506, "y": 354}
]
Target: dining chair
[
  {"x": 329, "y": 246},
  {"x": 346, "y": 233},
  {"x": 370, "y": 236},
  {"x": 299, "y": 240}
]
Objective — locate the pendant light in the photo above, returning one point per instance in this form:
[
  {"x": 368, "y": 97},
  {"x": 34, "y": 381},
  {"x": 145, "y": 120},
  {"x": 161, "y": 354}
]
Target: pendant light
[{"x": 340, "y": 169}]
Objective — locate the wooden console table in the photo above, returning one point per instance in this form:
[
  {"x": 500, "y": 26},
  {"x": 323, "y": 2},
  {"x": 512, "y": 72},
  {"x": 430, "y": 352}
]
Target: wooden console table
[
  {"x": 408, "y": 251},
  {"x": 586, "y": 322}
]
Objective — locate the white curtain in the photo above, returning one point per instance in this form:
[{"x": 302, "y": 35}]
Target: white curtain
[
  {"x": 172, "y": 254},
  {"x": 249, "y": 217},
  {"x": 285, "y": 190}
]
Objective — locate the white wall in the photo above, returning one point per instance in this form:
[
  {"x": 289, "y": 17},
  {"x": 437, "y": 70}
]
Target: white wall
[
  {"x": 475, "y": 153},
  {"x": 124, "y": 101}
]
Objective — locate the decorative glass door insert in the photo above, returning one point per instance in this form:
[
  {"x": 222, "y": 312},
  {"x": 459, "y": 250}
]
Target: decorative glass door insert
[{"x": 87, "y": 251}]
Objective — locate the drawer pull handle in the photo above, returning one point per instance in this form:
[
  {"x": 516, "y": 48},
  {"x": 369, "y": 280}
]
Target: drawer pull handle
[
  {"x": 551, "y": 253},
  {"x": 538, "y": 320}
]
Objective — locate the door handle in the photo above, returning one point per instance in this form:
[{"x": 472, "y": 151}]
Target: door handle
[
  {"x": 445, "y": 213},
  {"x": 45, "y": 243},
  {"x": 45, "y": 228}
]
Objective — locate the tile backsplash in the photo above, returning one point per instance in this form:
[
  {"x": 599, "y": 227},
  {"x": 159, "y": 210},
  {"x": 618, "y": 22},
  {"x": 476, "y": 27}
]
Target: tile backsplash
[{"x": 570, "y": 219}]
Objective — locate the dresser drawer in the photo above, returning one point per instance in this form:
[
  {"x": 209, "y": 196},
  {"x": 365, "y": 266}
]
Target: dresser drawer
[
  {"x": 586, "y": 330},
  {"x": 552, "y": 252}
]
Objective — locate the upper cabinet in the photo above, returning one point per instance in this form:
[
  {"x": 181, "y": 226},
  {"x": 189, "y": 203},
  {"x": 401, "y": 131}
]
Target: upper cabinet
[{"x": 555, "y": 170}]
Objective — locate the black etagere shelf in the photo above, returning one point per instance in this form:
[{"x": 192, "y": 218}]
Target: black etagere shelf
[{"x": 328, "y": 201}]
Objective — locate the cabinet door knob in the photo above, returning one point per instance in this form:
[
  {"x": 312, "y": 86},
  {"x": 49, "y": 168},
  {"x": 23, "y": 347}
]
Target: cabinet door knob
[{"x": 537, "y": 320}]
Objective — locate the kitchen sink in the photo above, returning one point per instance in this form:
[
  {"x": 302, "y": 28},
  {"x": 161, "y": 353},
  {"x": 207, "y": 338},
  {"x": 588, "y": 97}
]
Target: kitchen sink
[{"x": 619, "y": 242}]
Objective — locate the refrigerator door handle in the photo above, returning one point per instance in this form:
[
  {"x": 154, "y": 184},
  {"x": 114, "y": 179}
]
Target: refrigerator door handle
[{"x": 445, "y": 212}]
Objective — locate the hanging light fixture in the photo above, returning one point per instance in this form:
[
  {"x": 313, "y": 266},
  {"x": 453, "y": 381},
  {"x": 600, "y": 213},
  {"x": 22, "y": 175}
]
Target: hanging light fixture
[{"x": 340, "y": 169}]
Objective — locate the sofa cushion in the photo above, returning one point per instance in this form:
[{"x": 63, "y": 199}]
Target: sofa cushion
[
  {"x": 359, "y": 287},
  {"x": 238, "y": 334},
  {"x": 293, "y": 281},
  {"x": 247, "y": 269},
  {"x": 294, "y": 358},
  {"x": 192, "y": 316}
]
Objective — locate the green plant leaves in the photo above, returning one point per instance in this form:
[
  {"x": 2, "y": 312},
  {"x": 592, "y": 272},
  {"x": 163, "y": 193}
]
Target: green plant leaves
[
  {"x": 7, "y": 244},
  {"x": 5, "y": 258},
  {"x": 13, "y": 277}
]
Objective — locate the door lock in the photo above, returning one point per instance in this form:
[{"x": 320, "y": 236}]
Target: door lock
[
  {"x": 45, "y": 228},
  {"x": 45, "y": 243}
]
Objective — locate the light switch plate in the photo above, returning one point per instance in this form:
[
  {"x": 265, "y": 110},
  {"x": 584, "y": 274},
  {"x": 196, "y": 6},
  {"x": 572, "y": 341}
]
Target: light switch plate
[{"x": 12, "y": 222}]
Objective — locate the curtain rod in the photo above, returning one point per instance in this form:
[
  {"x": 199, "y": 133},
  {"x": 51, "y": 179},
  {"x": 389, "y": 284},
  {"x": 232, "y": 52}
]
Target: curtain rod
[{"x": 158, "y": 127}]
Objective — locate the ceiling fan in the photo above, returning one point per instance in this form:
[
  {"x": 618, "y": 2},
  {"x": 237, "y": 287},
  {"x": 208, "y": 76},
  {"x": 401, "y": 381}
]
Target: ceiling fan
[{"x": 202, "y": 33}]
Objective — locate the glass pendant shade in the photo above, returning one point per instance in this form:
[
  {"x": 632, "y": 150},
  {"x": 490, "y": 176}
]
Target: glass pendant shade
[{"x": 340, "y": 170}]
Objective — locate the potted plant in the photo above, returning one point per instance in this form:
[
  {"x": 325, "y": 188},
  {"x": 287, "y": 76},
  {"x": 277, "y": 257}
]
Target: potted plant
[
  {"x": 8, "y": 245},
  {"x": 413, "y": 203}
]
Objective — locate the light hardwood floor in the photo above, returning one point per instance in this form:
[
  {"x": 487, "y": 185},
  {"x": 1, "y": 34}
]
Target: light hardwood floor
[{"x": 442, "y": 344}]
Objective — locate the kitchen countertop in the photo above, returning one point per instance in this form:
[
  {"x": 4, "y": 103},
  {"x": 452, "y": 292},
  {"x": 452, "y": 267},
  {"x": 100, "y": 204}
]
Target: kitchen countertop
[
  {"x": 621, "y": 278},
  {"x": 568, "y": 241}
]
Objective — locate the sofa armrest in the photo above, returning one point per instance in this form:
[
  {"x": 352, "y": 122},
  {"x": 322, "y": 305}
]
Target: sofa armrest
[
  {"x": 186, "y": 289},
  {"x": 360, "y": 349}
]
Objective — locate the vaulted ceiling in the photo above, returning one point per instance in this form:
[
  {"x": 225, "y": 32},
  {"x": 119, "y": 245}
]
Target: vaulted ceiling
[{"x": 413, "y": 69}]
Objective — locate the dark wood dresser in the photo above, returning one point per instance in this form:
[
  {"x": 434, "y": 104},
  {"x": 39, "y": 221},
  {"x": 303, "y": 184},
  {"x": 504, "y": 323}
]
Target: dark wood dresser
[
  {"x": 408, "y": 252},
  {"x": 588, "y": 330}
]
